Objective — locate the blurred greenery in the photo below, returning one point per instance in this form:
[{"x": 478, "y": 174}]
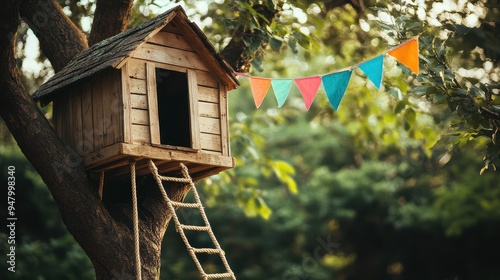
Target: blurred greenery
[{"x": 388, "y": 187}]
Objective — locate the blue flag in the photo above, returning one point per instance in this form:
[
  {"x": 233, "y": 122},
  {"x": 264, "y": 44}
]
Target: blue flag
[
  {"x": 335, "y": 85},
  {"x": 373, "y": 69}
]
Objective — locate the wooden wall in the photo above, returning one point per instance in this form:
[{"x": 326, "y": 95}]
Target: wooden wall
[
  {"x": 168, "y": 49},
  {"x": 88, "y": 117}
]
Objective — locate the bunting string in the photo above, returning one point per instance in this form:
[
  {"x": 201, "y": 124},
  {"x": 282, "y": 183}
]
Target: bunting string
[{"x": 334, "y": 83}]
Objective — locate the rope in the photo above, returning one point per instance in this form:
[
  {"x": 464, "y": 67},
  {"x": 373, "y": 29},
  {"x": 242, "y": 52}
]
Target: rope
[
  {"x": 180, "y": 227},
  {"x": 136, "y": 223},
  {"x": 101, "y": 184},
  {"x": 185, "y": 172}
]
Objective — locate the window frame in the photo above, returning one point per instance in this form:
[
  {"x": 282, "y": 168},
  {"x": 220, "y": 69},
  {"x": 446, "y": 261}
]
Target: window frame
[{"x": 154, "y": 122}]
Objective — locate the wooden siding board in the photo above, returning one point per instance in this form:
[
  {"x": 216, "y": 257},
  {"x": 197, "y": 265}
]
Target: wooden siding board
[
  {"x": 138, "y": 86},
  {"x": 76, "y": 119},
  {"x": 139, "y": 116},
  {"x": 139, "y": 101},
  {"x": 137, "y": 69},
  {"x": 140, "y": 134},
  {"x": 169, "y": 39},
  {"x": 206, "y": 79},
  {"x": 193, "y": 109},
  {"x": 87, "y": 119},
  {"x": 208, "y": 94},
  {"x": 107, "y": 101},
  {"x": 170, "y": 56},
  {"x": 210, "y": 125},
  {"x": 210, "y": 142},
  {"x": 97, "y": 112},
  {"x": 116, "y": 107},
  {"x": 125, "y": 79},
  {"x": 210, "y": 110},
  {"x": 224, "y": 123},
  {"x": 154, "y": 121}
]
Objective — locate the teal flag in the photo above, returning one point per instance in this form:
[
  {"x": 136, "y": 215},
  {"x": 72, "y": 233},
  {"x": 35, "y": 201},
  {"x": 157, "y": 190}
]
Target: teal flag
[
  {"x": 373, "y": 69},
  {"x": 281, "y": 87},
  {"x": 335, "y": 85}
]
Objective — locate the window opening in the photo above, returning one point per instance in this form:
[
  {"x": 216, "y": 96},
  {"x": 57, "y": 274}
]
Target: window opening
[{"x": 173, "y": 108}]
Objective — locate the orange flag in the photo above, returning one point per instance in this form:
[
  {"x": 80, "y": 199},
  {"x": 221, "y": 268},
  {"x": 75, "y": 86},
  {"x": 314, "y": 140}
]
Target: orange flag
[
  {"x": 407, "y": 54},
  {"x": 259, "y": 86}
]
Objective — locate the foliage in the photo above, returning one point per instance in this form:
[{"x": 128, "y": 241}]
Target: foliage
[
  {"x": 473, "y": 105},
  {"x": 42, "y": 242}
]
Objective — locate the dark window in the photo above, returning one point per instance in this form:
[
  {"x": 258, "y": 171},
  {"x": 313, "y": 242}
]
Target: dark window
[{"x": 173, "y": 108}]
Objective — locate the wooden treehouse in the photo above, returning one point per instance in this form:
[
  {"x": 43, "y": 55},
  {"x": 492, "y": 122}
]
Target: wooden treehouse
[{"x": 158, "y": 91}]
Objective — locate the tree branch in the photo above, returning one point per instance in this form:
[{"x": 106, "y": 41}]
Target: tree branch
[
  {"x": 235, "y": 53},
  {"x": 60, "y": 39},
  {"x": 110, "y": 18}
]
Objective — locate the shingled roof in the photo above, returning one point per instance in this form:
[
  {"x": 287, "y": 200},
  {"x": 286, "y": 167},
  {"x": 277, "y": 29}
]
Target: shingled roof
[{"x": 113, "y": 51}]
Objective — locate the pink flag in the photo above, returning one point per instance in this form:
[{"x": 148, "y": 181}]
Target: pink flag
[
  {"x": 259, "y": 86},
  {"x": 308, "y": 88}
]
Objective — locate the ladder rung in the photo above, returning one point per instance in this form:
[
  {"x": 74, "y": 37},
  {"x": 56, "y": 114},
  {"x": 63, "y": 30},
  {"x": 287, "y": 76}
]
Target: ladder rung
[
  {"x": 218, "y": 275},
  {"x": 175, "y": 179},
  {"x": 207, "y": 250},
  {"x": 185, "y": 205},
  {"x": 197, "y": 228}
]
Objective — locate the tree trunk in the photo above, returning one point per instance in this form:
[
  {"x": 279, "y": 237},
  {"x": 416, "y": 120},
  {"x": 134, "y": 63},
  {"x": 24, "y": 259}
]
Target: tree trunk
[{"x": 102, "y": 228}]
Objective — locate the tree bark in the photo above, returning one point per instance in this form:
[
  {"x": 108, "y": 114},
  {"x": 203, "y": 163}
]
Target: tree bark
[
  {"x": 60, "y": 39},
  {"x": 110, "y": 18}
]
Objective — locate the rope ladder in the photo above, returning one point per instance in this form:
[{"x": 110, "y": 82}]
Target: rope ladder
[{"x": 180, "y": 228}]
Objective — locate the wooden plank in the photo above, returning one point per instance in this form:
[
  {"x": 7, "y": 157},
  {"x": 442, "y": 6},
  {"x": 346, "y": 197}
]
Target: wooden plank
[
  {"x": 210, "y": 110},
  {"x": 210, "y": 125},
  {"x": 169, "y": 39},
  {"x": 171, "y": 28},
  {"x": 170, "y": 56},
  {"x": 140, "y": 134},
  {"x": 138, "y": 86},
  {"x": 139, "y": 101},
  {"x": 127, "y": 129},
  {"x": 97, "y": 112},
  {"x": 103, "y": 156},
  {"x": 206, "y": 79},
  {"x": 193, "y": 109},
  {"x": 165, "y": 154},
  {"x": 137, "y": 69},
  {"x": 210, "y": 142},
  {"x": 76, "y": 119},
  {"x": 107, "y": 100},
  {"x": 154, "y": 120},
  {"x": 170, "y": 67},
  {"x": 87, "y": 120},
  {"x": 117, "y": 107},
  {"x": 224, "y": 122},
  {"x": 139, "y": 116},
  {"x": 208, "y": 94}
]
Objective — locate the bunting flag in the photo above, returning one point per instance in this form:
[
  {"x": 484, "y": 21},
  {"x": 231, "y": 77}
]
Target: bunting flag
[
  {"x": 259, "y": 86},
  {"x": 335, "y": 83},
  {"x": 308, "y": 88},
  {"x": 407, "y": 54},
  {"x": 281, "y": 87},
  {"x": 373, "y": 69}
]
